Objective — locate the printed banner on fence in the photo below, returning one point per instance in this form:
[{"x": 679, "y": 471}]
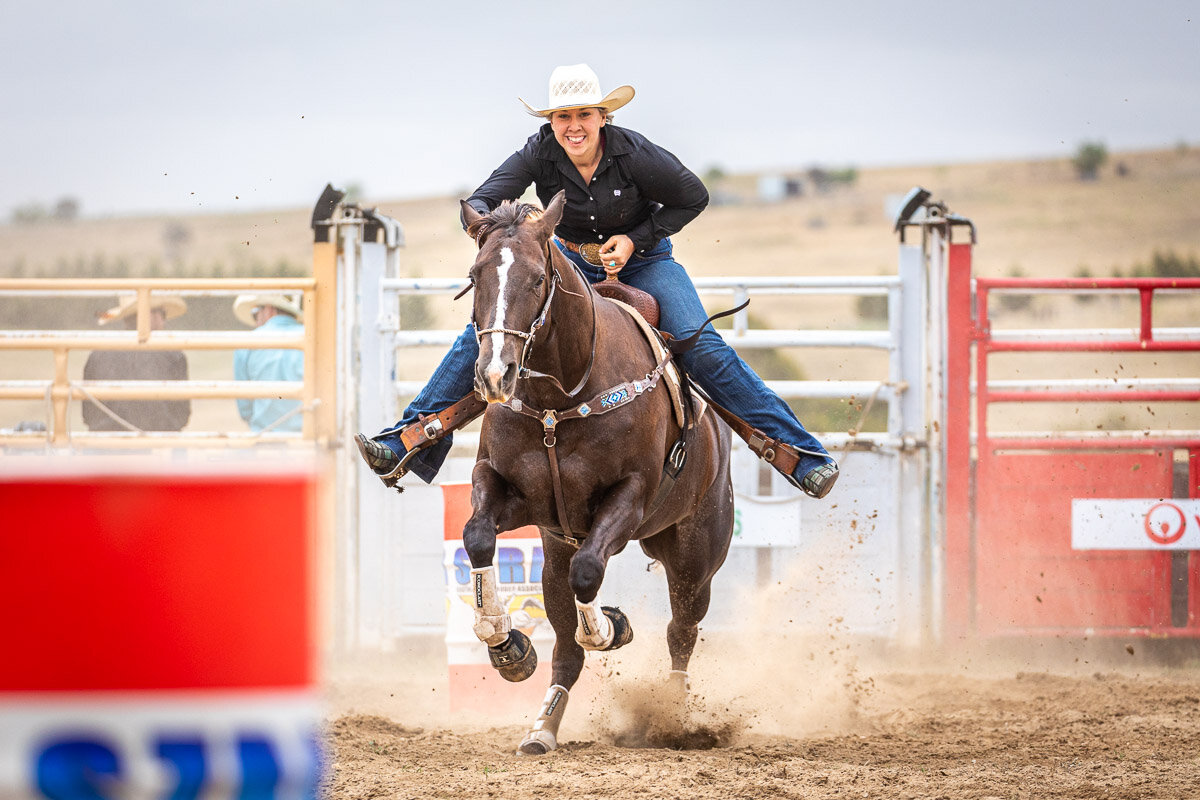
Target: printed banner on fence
[
  {"x": 1141, "y": 524},
  {"x": 473, "y": 682}
]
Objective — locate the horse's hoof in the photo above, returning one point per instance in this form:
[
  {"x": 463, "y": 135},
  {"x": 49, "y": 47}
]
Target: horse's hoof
[
  {"x": 678, "y": 685},
  {"x": 622, "y": 630},
  {"x": 535, "y": 747},
  {"x": 515, "y": 659}
]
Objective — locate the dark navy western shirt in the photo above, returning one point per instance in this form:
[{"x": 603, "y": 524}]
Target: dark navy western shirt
[{"x": 639, "y": 189}]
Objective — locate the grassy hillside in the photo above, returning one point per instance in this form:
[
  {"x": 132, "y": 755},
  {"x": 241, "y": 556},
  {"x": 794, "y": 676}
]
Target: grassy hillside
[{"x": 1033, "y": 218}]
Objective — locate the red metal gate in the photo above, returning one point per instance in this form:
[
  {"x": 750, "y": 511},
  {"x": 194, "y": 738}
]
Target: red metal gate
[{"x": 1011, "y": 567}]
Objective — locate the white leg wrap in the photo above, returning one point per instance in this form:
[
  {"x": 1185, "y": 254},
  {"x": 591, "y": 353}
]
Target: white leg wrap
[
  {"x": 545, "y": 728},
  {"x": 594, "y": 631},
  {"x": 678, "y": 679},
  {"x": 491, "y": 623}
]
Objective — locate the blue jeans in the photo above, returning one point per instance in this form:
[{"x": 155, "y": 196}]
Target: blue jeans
[{"x": 712, "y": 364}]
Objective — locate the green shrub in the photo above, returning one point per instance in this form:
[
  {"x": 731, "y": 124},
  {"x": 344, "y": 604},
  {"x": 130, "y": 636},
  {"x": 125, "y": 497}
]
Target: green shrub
[
  {"x": 1168, "y": 265},
  {"x": 1015, "y": 302},
  {"x": 1089, "y": 157}
]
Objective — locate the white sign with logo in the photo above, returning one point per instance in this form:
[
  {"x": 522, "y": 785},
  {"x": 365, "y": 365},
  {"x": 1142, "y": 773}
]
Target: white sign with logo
[
  {"x": 1143, "y": 524},
  {"x": 766, "y": 521}
]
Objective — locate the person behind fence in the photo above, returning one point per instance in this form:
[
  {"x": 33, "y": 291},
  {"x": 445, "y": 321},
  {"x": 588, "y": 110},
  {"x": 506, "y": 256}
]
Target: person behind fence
[
  {"x": 137, "y": 365},
  {"x": 625, "y": 197},
  {"x": 269, "y": 315}
]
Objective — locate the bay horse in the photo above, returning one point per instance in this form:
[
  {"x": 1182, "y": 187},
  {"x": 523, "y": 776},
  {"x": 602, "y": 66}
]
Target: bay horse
[{"x": 594, "y": 467}]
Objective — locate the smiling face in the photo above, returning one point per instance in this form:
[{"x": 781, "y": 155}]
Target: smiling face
[{"x": 578, "y": 131}]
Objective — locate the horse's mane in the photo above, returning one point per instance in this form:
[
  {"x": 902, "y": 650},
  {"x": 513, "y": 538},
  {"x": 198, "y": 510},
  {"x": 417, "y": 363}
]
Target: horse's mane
[{"x": 509, "y": 214}]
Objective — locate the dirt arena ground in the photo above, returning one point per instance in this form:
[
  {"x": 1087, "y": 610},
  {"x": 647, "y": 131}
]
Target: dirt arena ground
[{"x": 789, "y": 718}]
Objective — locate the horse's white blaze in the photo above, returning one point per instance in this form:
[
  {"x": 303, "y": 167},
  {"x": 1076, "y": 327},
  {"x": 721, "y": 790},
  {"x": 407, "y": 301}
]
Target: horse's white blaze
[{"x": 495, "y": 369}]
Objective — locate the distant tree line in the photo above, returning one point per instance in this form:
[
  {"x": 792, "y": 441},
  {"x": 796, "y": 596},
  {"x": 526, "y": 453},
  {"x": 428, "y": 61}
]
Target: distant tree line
[
  {"x": 872, "y": 309},
  {"x": 66, "y": 209},
  {"x": 1162, "y": 264},
  {"x": 823, "y": 180},
  {"x": 1167, "y": 265}
]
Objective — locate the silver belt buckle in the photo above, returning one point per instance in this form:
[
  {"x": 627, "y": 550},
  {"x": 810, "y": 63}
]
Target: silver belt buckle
[
  {"x": 433, "y": 428},
  {"x": 591, "y": 253}
]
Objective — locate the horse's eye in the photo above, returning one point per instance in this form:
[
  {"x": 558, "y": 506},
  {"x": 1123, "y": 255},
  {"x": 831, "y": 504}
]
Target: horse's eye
[{"x": 541, "y": 279}]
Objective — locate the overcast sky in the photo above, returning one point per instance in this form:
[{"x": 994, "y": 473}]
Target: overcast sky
[{"x": 152, "y": 107}]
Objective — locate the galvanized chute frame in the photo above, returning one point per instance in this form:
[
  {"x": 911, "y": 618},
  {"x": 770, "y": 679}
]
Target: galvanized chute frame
[{"x": 380, "y": 598}]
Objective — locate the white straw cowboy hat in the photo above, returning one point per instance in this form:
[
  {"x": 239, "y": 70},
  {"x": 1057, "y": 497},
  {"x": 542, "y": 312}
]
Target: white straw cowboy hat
[
  {"x": 244, "y": 305},
  {"x": 171, "y": 306},
  {"x": 577, "y": 86}
]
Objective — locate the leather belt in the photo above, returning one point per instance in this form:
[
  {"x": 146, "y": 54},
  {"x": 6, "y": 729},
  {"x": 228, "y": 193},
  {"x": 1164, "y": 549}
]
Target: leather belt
[{"x": 589, "y": 250}]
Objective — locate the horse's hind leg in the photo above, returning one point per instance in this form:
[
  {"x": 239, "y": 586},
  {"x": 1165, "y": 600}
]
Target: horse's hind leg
[
  {"x": 689, "y": 604},
  {"x": 690, "y": 555},
  {"x": 509, "y": 650}
]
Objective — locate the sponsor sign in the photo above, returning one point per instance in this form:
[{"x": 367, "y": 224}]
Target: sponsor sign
[
  {"x": 1141, "y": 524},
  {"x": 766, "y": 521},
  {"x": 474, "y": 683}
]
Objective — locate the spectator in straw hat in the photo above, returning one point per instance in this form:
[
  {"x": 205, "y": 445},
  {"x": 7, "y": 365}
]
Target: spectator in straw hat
[
  {"x": 270, "y": 315},
  {"x": 138, "y": 365}
]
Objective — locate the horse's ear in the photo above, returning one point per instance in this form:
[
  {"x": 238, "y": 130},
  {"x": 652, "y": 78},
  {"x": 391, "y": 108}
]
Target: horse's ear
[
  {"x": 469, "y": 215},
  {"x": 553, "y": 214}
]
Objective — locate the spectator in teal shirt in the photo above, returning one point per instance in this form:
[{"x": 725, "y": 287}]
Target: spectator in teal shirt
[{"x": 271, "y": 315}]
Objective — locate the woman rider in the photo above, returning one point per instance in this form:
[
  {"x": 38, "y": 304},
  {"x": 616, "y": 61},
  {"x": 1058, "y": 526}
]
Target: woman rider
[{"x": 627, "y": 195}]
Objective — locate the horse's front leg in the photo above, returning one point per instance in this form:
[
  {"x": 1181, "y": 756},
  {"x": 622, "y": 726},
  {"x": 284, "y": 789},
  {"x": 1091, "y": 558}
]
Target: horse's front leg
[
  {"x": 568, "y": 655},
  {"x": 509, "y": 650},
  {"x": 570, "y": 586},
  {"x": 613, "y": 525}
]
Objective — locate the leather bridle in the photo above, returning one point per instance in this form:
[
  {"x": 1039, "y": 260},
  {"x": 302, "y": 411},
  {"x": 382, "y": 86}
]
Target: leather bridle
[
  {"x": 528, "y": 336},
  {"x": 608, "y": 400}
]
